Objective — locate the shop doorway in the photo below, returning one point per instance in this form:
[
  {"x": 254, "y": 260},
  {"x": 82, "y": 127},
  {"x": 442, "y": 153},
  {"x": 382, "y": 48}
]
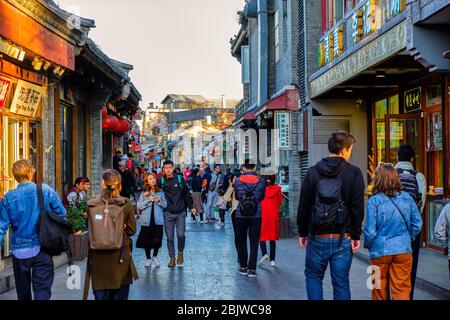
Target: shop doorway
[{"x": 404, "y": 129}]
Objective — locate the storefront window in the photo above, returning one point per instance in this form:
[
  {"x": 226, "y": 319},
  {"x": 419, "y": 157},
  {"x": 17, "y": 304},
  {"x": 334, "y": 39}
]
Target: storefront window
[
  {"x": 434, "y": 95},
  {"x": 381, "y": 142},
  {"x": 434, "y": 209},
  {"x": 434, "y": 131},
  {"x": 394, "y": 107},
  {"x": 380, "y": 108}
]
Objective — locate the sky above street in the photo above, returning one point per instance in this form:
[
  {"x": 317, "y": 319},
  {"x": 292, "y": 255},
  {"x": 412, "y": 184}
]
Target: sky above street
[{"x": 176, "y": 46}]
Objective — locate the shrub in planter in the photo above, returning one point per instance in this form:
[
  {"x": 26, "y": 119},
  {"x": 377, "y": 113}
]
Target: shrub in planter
[{"x": 78, "y": 240}]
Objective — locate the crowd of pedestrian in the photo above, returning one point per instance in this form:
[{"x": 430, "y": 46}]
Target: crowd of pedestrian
[{"x": 330, "y": 219}]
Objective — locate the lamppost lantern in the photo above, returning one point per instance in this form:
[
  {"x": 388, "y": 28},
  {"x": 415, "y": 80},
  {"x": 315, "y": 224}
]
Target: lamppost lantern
[{"x": 446, "y": 54}]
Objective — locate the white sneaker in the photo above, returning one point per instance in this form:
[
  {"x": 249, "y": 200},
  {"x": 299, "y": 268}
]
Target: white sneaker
[
  {"x": 156, "y": 262},
  {"x": 148, "y": 263},
  {"x": 272, "y": 263},
  {"x": 263, "y": 260}
]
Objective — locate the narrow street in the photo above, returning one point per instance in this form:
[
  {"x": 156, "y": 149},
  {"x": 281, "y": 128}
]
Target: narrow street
[{"x": 210, "y": 273}]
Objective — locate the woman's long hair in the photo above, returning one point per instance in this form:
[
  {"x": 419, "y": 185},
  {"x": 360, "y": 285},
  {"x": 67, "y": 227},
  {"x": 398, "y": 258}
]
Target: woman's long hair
[
  {"x": 386, "y": 180},
  {"x": 113, "y": 184},
  {"x": 147, "y": 186}
]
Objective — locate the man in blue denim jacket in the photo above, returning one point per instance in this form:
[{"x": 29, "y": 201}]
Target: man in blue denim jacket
[{"x": 19, "y": 208}]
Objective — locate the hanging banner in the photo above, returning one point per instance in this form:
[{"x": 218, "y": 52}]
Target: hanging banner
[
  {"x": 283, "y": 130},
  {"x": 26, "y": 99},
  {"x": 5, "y": 85}
]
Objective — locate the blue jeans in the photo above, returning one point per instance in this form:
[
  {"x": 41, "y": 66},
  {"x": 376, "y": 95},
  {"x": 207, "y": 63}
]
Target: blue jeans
[
  {"x": 38, "y": 271},
  {"x": 117, "y": 294},
  {"x": 172, "y": 221},
  {"x": 320, "y": 252}
]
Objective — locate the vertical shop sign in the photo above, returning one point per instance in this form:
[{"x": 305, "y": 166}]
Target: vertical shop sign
[
  {"x": 283, "y": 130},
  {"x": 5, "y": 85}
]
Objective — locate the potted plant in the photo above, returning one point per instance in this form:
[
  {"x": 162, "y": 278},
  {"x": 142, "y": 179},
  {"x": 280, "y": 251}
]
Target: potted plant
[
  {"x": 284, "y": 219},
  {"x": 78, "y": 240}
]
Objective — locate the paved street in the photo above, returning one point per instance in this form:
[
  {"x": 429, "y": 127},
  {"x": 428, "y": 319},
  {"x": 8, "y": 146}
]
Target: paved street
[{"x": 210, "y": 273}]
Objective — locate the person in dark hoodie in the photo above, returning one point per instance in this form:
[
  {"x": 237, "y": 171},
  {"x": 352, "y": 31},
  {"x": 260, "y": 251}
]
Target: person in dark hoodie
[
  {"x": 249, "y": 191},
  {"x": 179, "y": 199},
  {"x": 330, "y": 215}
]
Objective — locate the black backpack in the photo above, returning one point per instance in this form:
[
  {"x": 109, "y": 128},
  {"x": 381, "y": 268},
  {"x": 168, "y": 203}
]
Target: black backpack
[
  {"x": 248, "y": 205},
  {"x": 329, "y": 207},
  {"x": 53, "y": 230},
  {"x": 409, "y": 183}
]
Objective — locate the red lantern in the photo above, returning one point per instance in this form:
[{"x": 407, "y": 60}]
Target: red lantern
[
  {"x": 124, "y": 126},
  {"x": 110, "y": 123},
  {"x": 104, "y": 112}
]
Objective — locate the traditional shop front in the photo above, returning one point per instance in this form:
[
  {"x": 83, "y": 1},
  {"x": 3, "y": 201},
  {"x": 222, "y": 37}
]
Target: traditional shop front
[
  {"x": 20, "y": 125},
  {"x": 386, "y": 75}
]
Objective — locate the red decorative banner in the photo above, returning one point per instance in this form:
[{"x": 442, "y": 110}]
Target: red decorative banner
[{"x": 5, "y": 85}]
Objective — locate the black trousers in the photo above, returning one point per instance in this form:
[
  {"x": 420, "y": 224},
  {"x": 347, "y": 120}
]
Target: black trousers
[
  {"x": 248, "y": 228},
  {"x": 116, "y": 294},
  {"x": 273, "y": 249},
  {"x": 415, "y": 248},
  {"x": 222, "y": 215},
  {"x": 235, "y": 229},
  {"x": 38, "y": 270}
]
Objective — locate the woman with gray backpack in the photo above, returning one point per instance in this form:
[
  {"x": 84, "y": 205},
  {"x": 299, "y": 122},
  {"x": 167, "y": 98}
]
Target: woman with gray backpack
[{"x": 111, "y": 224}]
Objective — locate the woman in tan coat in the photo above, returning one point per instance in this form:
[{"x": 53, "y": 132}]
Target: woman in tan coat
[{"x": 112, "y": 270}]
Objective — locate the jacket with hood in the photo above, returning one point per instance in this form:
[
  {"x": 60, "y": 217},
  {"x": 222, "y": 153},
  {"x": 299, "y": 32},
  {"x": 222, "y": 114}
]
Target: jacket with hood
[
  {"x": 270, "y": 210},
  {"x": 352, "y": 194},
  {"x": 249, "y": 182}
]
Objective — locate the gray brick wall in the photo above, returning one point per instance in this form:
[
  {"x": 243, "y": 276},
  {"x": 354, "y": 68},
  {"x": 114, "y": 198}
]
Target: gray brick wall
[
  {"x": 48, "y": 136},
  {"x": 97, "y": 101}
]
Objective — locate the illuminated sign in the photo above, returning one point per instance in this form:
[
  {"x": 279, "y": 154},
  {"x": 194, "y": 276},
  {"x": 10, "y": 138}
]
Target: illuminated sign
[
  {"x": 397, "y": 6},
  {"x": 364, "y": 20},
  {"x": 413, "y": 100},
  {"x": 331, "y": 45},
  {"x": 26, "y": 99},
  {"x": 5, "y": 85}
]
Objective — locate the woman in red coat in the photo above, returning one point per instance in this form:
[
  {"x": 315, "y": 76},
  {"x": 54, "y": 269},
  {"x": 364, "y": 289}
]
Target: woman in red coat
[{"x": 270, "y": 211}]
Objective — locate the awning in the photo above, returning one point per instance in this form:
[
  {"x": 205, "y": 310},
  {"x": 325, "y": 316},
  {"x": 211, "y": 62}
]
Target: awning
[
  {"x": 288, "y": 100},
  {"x": 248, "y": 117}
]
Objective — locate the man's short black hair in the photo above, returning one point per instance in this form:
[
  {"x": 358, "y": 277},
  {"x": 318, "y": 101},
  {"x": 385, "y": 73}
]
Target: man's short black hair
[
  {"x": 339, "y": 141},
  {"x": 130, "y": 155},
  {"x": 118, "y": 152},
  {"x": 168, "y": 163},
  {"x": 216, "y": 165},
  {"x": 249, "y": 166},
  {"x": 405, "y": 152},
  {"x": 78, "y": 181}
]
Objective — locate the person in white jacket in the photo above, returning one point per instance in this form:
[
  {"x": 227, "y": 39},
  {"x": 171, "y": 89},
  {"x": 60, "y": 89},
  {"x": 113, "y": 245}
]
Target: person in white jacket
[{"x": 441, "y": 229}]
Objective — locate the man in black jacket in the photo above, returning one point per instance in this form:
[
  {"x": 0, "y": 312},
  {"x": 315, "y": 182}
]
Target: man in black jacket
[
  {"x": 178, "y": 200},
  {"x": 330, "y": 215},
  {"x": 127, "y": 180}
]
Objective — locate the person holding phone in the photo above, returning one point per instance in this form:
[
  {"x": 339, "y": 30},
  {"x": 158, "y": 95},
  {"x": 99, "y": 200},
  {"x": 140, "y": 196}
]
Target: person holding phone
[{"x": 151, "y": 204}]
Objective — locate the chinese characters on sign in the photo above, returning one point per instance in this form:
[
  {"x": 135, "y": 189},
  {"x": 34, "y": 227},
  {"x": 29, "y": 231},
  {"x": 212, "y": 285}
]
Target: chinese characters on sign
[
  {"x": 283, "y": 130},
  {"x": 412, "y": 100},
  {"x": 26, "y": 99},
  {"x": 5, "y": 85},
  {"x": 331, "y": 45}
]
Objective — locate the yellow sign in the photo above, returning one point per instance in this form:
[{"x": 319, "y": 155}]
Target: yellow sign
[
  {"x": 26, "y": 99},
  {"x": 331, "y": 45}
]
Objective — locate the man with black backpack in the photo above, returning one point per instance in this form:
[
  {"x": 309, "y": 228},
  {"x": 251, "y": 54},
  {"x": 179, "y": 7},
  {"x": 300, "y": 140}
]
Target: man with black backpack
[
  {"x": 330, "y": 215},
  {"x": 249, "y": 191},
  {"x": 20, "y": 208},
  {"x": 414, "y": 183},
  {"x": 178, "y": 200}
]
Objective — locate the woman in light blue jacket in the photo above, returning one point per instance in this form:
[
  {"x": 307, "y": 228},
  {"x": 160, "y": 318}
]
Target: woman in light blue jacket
[
  {"x": 392, "y": 221},
  {"x": 151, "y": 204}
]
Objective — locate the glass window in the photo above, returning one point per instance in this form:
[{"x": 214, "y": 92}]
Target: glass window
[
  {"x": 434, "y": 131},
  {"x": 338, "y": 10},
  {"x": 394, "y": 107},
  {"x": 434, "y": 95},
  {"x": 277, "y": 36},
  {"x": 381, "y": 142},
  {"x": 380, "y": 108}
]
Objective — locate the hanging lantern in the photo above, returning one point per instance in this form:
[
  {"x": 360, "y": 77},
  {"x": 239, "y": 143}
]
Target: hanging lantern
[
  {"x": 124, "y": 126},
  {"x": 104, "y": 112},
  {"x": 110, "y": 123}
]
